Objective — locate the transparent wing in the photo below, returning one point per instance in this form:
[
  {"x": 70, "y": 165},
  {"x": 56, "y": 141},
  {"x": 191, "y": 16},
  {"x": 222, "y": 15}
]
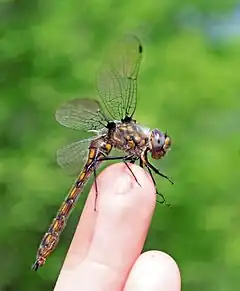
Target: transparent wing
[
  {"x": 73, "y": 156},
  {"x": 81, "y": 114},
  {"x": 117, "y": 78}
]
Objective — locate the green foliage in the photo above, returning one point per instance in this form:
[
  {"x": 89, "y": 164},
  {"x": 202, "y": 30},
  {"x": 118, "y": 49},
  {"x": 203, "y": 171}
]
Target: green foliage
[{"x": 50, "y": 51}]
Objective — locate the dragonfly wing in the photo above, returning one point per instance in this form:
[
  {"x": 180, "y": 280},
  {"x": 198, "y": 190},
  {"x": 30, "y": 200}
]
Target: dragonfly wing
[
  {"x": 81, "y": 114},
  {"x": 73, "y": 156},
  {"x": 117, "y": 78}
]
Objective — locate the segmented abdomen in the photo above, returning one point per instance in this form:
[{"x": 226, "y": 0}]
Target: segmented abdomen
[{"x": 51, "y": 237}]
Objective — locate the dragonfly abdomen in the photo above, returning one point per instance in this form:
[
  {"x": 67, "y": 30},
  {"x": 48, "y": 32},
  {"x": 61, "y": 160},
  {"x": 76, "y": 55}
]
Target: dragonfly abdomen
[{"x": 51, "y": 238}]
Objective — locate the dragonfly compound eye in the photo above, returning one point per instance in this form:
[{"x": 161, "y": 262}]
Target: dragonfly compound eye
[{"x": 157, "y": 142}]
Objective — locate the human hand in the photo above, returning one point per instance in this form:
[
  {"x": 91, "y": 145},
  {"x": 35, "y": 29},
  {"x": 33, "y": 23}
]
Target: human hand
[{"x": 105, "y": 254}]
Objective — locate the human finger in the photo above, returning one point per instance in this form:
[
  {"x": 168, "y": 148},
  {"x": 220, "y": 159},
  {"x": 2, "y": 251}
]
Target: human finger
[
  {"x": 124, "y": 212},
  {"x": 154, "y": 271}
]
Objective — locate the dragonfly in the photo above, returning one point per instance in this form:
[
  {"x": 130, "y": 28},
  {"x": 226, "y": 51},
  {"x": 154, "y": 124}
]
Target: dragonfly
[{"x": 112, "y": 126}]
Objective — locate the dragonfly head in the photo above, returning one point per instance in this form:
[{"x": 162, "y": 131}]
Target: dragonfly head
[{"x": 160, "y": 143}]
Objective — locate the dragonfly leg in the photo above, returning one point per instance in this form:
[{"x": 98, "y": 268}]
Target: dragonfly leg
[
  {"x": 107, "y": 158},
  {"x": 132, "y": 159},
  {"x": 125, "y": 159},
  {"x": 158, "y": 193},
  {"x": 95, "y": 183},
  {"x": 125, "y": 162},
  {"x": 156, "y": 171},
  {"x": 144, "y": 162}
]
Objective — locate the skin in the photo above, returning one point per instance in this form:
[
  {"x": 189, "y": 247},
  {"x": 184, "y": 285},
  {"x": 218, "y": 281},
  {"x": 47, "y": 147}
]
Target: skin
[{"x": 105, "y": 253}]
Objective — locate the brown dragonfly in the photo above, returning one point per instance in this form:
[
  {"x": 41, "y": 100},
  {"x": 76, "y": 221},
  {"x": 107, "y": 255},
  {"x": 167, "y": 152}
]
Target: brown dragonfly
[{"x": 112, "y": 124}]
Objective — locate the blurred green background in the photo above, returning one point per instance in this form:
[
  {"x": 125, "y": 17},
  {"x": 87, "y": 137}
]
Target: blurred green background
[{"x": 189, "y": 84}]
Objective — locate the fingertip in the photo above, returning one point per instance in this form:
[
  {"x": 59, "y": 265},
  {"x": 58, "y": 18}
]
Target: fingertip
[
  {"x": 154, "y": 270},
  {"x": 162, "y": 259}
]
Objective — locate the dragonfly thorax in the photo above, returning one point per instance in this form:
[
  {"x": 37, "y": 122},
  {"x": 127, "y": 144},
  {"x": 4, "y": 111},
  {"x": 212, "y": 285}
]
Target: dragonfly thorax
[{"x": 159, "y": 143}]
